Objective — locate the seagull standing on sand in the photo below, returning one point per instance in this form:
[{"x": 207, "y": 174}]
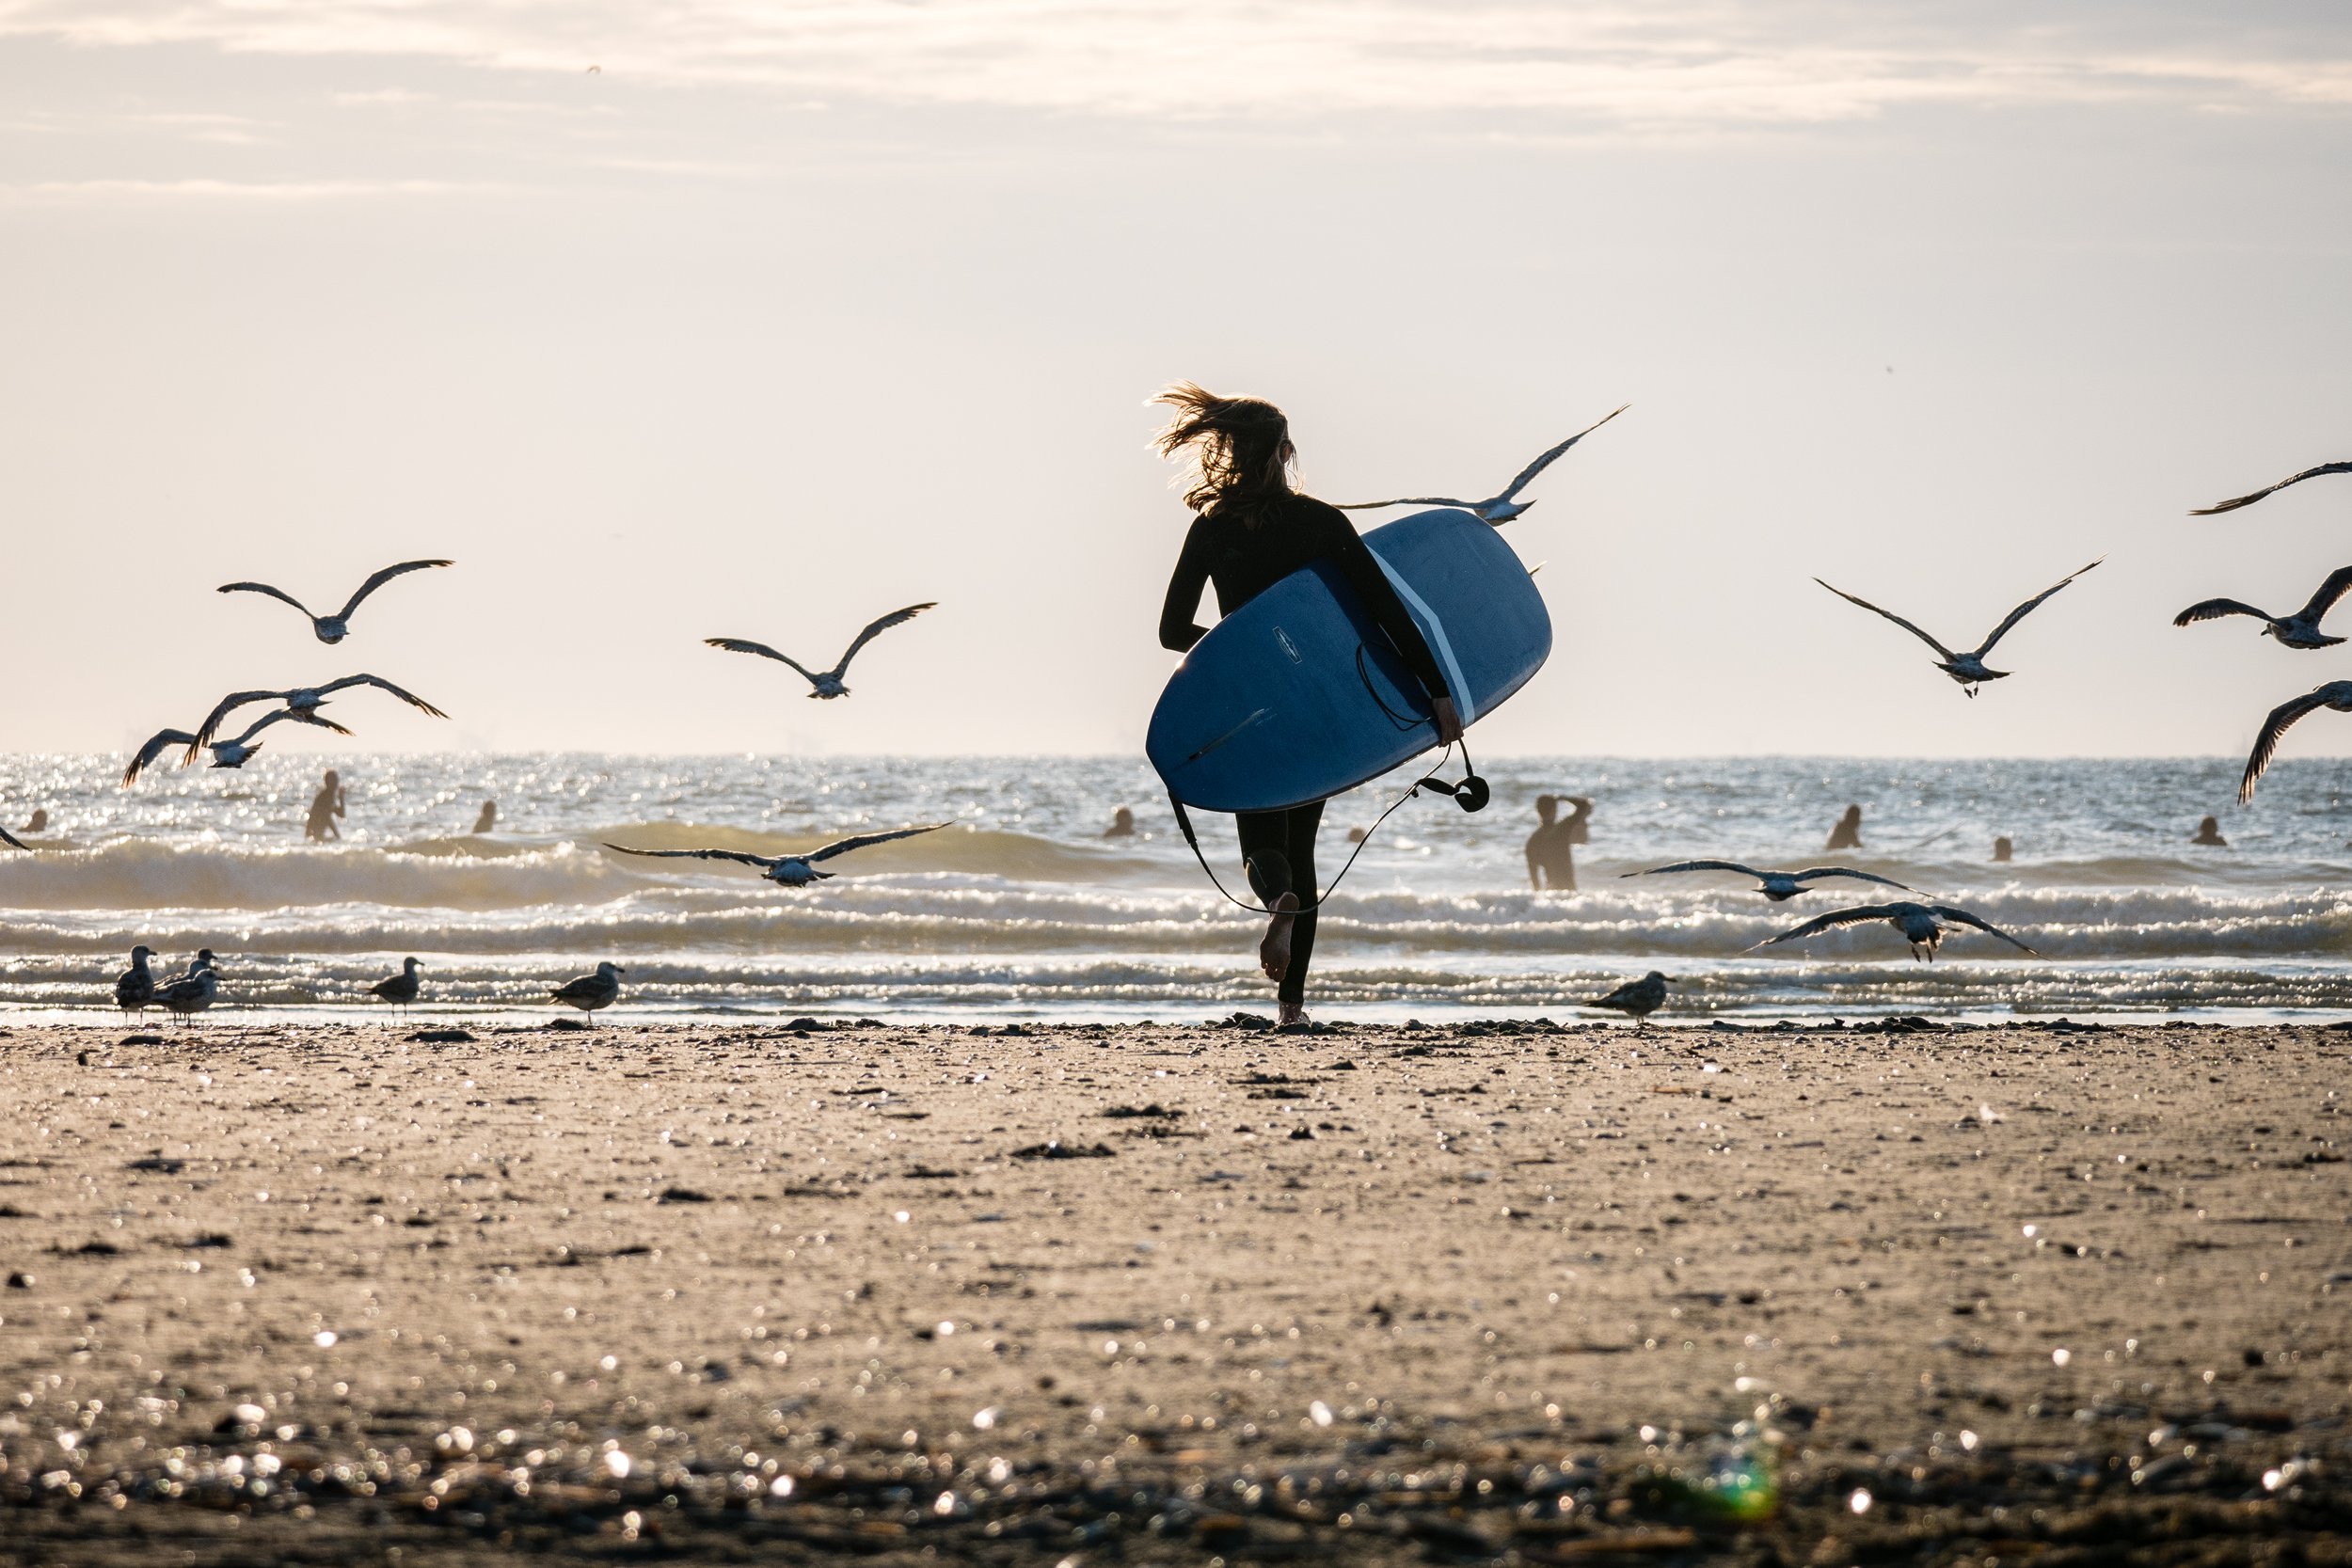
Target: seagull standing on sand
[
  {"x": 226, "y": 754},
  {"x": 1637, "y": 998},
  {"x": 399, "y": 990},
  {"x": 2236, "y": 502},
  {"x": 1500, "y": 509},
  {"x": 192, "y": 992},
  {"x": 2298, "y": 630},
  {"x": 335, "y": 627},
  {"x": 2334, "y": 694},
  {"x": 827, "y": 682},
  {"x": 590, "y": 992},
  {"x": 301, "y": 701},
  {"x": 1922, "y": 926},
  {"x": 135, "y": 988},
  {"x": 1968, "y": 668},
  {"x": 1778, "y": 886},
  {"x": 785, "y": 870}
]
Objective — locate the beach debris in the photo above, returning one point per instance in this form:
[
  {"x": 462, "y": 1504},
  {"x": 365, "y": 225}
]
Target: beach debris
[
  {"x": 461, "y": 1036},
  {"x": 1056, "y": 1149}
]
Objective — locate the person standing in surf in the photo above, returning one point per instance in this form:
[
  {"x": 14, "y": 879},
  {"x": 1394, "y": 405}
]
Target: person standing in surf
[{"x": 1251, "y": 530}]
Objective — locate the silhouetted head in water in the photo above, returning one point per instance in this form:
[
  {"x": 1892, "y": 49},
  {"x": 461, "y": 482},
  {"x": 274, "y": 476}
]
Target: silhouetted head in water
[
  {"x": 1546, "y": 807},
  {"x": 1123, "y": 824},
  {"x": 38, "y": 822},
  {"x": 2001, "y": 850},
  {"x": 1241, "y": 450},
  {"x": 488, "y": 818},
  {"x": 2209, "y": 831}
]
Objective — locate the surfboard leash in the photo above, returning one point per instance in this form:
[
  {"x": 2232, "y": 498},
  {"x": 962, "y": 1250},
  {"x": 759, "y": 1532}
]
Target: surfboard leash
[{"x": 1470, "y": 795}]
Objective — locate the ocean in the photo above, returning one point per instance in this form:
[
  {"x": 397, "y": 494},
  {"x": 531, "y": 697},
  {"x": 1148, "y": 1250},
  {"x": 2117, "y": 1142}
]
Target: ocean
[{"x": 1022, "y": 910}]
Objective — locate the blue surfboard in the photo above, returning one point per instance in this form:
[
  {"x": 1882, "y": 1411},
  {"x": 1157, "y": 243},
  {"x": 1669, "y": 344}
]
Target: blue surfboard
[{"x": 1297, "y": 695}]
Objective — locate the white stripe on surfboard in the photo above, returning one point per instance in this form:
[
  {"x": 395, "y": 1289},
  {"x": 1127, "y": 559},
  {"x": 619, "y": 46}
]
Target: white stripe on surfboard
[{"x": 1434, "y": 630}]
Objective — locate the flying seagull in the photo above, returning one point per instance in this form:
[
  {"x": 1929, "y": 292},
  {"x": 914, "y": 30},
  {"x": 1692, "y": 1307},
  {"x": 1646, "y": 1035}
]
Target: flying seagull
[
  {"x": 1637, "y": 998},
  {"x": 12, "y": 841},
  {"x": 2234, "y": 502},
  {"x": 590, "y": 992},
  {"x": 2298, "y": 630},
  {"x": 2334, "y": 694},
  {"x": 1969, "y": 668},
  {"x": 400, "y": 989},
  {"x": 226, "y": 754},
  {"x": 1500, "y": 509},
  {"x": 335, "y": 627},
  {"x": 827, "y": 682},
  {"x": 1922, "y": 925},
  {"x": 1778, "y": 886},
  {"x": 303, "y": 701},
  {"x": 135, "y": 988},
  {"x": 785, "y": 870}
]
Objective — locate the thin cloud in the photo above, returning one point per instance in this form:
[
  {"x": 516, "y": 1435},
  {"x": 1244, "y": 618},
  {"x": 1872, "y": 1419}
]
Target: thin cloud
[
  {"x": 233, "y": 190},
  {"x": 1694, "y": 64}
]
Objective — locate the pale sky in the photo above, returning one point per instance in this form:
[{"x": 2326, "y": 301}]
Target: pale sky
[{"x": 797, "y": 310}]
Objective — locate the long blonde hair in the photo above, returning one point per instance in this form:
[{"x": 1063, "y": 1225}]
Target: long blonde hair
[{"x": 1241, "y": 450}]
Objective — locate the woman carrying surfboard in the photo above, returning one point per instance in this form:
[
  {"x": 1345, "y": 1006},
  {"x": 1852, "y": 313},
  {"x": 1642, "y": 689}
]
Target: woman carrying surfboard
[{"x": 1250, "y": 530}]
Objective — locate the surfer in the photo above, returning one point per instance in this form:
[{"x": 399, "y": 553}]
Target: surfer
[
  {"x": 326, "y": 805},
  {"x": 1848, "y": 833},
  {"x": 1550, "y": 848},
  {"x": 1123, "y": 824},
  {"x": 1250, "y": 530},
  {"x": 2209, "y": 833}
]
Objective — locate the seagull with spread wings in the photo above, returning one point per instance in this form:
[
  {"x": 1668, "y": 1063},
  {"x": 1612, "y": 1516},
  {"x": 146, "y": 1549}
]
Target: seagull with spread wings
[
  {"x": 301, "y": 700},
  {"x": 335, "y": 627},
  {"x": 1968, "y": 668},
  {"x": 1778, "y": 886},
  {"x": 226, "y": 754},
  {"x": 826, "y": 682},
  {"x": 785, "y": 870},
  {"x": 1500, "y": 509},
  {"x": 2333, "y": 694},
  {"x": 2236, "y": 502},
  {"x": 2298, "y": 630},
  {"x": 1922, "y": 925}
]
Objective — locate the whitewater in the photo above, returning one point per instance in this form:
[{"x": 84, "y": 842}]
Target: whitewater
[{"x": 1021, "y": 908}]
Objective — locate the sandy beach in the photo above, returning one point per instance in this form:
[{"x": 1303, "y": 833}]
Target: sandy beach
[{"x": 1175, "y": 1292}]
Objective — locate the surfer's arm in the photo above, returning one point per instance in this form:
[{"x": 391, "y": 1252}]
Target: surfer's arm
[
  {"x": 1178, "y": 631},
  {"x": 1372, "y": 585}
]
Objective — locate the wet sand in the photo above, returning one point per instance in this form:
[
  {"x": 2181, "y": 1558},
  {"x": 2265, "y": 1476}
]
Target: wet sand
[{"x": 1174, "y": 1294}]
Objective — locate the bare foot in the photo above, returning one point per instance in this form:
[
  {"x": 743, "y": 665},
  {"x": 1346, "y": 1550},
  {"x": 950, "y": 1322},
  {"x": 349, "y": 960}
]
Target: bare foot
[
  {"x": 1290, "y": 1013},
  {"x": 1274, "y": 953}
]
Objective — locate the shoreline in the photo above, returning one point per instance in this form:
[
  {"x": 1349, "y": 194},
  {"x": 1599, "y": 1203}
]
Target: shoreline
[{"x": 1098, "y": 1290}]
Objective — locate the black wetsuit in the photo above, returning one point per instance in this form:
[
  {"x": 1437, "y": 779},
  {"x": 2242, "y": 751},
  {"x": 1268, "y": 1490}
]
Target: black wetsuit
[{"x": 1244, "y": 560}]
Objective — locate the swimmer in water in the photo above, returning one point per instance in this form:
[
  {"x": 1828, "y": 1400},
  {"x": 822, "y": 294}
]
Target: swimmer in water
[
  {"x": 325, "y": 807},
  {"x": 1123, "y": 824},
  {"x": 38, "y": 823},
  {"x": 488, "y": 818},
  {"x": 1848, "y": 833},
  {"x": 2002, "y": 849},
  {"x": 2209, "y": 833},
  {"x": 1550, "y": 852}
]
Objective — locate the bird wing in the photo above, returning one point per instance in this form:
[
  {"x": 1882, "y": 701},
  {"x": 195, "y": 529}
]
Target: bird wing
[
  {"x": 228, "y": 705},
  {"x": 581, "y": 984},
  {"x": 1964, "y": 918},
  {"x": 1847, "y": 871},
  {"x": 154, "y": 749},
  {"x": 843, "y": 846},
  {"x": 409, "y": 697},
  {"x": 1696, "y": 865},
  {"x": 1616, "y": 998},
  {"x": 278, "y": 593},
  {"x": 268, "y": 719},
  {"x": 2265, "y": 744},
  {"x": 1545, "y": 461},
  {"x": 380, "y": 578},
  {"x": 738, "y": 645},
  {"x": 1892, "y": 616},
  {"x": 897, "y": 617},
  {"x": 2213, "y": 609},
  {"x": 11, "y": 840},
  {"x": 2329, "y": 592},
  {"x": 1406, "y": 501},
  {"x": 1860, "y": 914},
  {"x": 2234, "y": 502},
  {"x": 2022, "y": 610},
  {"x": 739, "y": 856}
]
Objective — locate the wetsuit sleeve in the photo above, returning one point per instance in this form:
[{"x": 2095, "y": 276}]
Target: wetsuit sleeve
[
  {"x": 1362, "y": 571},
  {"x": 1178, "y": 631}
]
